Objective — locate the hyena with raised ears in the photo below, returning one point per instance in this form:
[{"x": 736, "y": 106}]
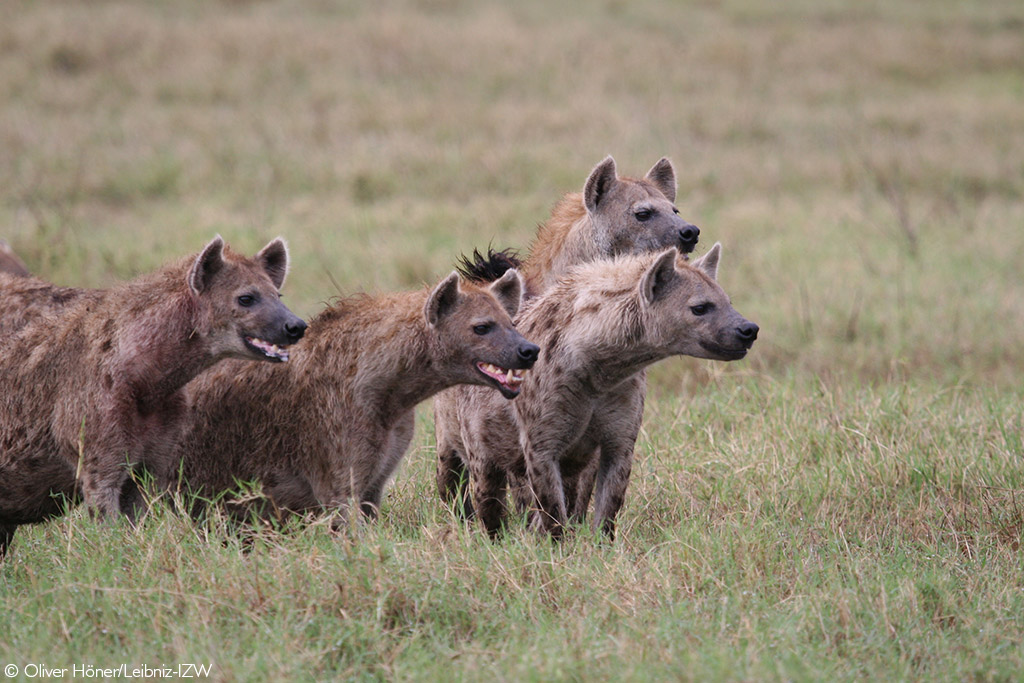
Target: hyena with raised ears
[
  {"x": 332, "y": 425},
  {"x": 599, "y": 326},
  {"x": 93, "y": 392},
  {"x": 613, "y": 216}
]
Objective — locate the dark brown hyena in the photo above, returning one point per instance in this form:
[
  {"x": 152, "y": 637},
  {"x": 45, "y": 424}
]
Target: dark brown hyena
[
  {"x": 612, "y": 216},
  {"x": 599, "y": 326},
  {"x": 332, "y": 425},
  {"x": 94, "y": 392}
]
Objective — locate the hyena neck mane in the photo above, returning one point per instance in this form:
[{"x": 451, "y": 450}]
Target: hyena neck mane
[
  {"x": 563, "y": 241},
  {"x": 590, "y": 325},
  {"x": 160, "y": 346},
  {"x": 377, "y": 349}
]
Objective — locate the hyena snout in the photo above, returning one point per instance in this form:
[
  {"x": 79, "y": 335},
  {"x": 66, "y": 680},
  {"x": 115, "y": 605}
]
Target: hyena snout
[
  {"x": 273, "y": 338},
  {"x": 294, "y": 329},
  {"x": 747, "y": 333},
  {"x": 509, "y": 361},
  {"x": 688, "y": 235}
]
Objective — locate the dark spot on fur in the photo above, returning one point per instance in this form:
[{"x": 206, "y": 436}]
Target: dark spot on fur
[
  {"x": 62, "y": 296},
  {"x": 108, "y": 381},
  {"x": 614, "y": 293},
  {"x": 106, "y": 345},
  {"x": 551, "y": 346}
]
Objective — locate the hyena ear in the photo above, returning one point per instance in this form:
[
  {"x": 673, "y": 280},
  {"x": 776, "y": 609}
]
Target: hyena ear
[
  {"x": 206, "y": 265},
  {"x": 709, "y": 261},
  {"x": 508, "y": 290},
  {"x": 663, "y": 177},
  {"x": 274, "y": 259},
  {"x": 443, "y": 299},
  {"x": 661, "y": 272},
  {"x": 599, "y": 184}
]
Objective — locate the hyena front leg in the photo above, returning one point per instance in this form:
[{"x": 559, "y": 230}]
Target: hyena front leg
[
  {"x": 542, "y": 454},
  {"x": 617, "y": 423},
  {"x": 489, "y": 492},
  {"x": 334, "y": 492},
  {"x": 452, "y": 473},
  {"x": 578, "y": 489},
  {"x": 546, "y": 436},
  {"x": 395, "y": 445},
  {"x": 612, "y": 479},
  {"x": 107, "y": 486}
]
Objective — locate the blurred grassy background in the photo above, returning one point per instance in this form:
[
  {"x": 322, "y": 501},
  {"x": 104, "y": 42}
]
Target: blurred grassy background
[{"x": 863, "y": 165}]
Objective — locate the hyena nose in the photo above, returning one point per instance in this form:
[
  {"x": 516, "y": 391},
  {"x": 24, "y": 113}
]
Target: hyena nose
[
  {"x": 528, "y": 353},
  {"x": 747, "y": 333},
  {"x": 295, "y": 330},
  {"x": 688, "y": 235}
]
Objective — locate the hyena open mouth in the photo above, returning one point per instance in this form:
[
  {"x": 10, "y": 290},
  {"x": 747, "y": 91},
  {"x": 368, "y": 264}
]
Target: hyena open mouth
[
  {"x": 276, "y": 353},
  {"x": 510, "y": 380}
]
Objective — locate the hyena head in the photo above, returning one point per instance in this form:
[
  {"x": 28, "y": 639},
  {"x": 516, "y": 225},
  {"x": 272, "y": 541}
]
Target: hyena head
[
  {"x": 636, "y": 216},
  {"x": 685, "y": 311},
  {"x": 472, "y": 324},
  {"x": 240, "y": 302}
]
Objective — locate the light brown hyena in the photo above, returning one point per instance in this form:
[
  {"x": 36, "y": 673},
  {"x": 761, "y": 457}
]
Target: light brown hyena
[
  {"x": 332, "y": 425},
  {"x": 599, "y": 326},
  {"x": 94, "y": 392},
  {"x": 612, "y": 216}
]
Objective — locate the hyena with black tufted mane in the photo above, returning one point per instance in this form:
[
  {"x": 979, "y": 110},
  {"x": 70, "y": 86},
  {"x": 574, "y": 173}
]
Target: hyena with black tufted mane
[
  {"x": 332, "y": 426},
  {"x": 613, "y": 216},
  {"x": 94, "y": 392},
  {"x": 599, "y": 326}
]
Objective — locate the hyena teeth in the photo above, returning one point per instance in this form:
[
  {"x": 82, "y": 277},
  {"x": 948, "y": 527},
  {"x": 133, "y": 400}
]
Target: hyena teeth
[{"x": 508, "y": 377}]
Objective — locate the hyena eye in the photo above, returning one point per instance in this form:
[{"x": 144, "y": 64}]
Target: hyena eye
[
  {"x": 675, "y": 210},
  {"x": 483, "y": 328},
  {"x": 643, "y": 214},
  {"x": 702, "y": 309},
  {"x": 247, "y": 300}
]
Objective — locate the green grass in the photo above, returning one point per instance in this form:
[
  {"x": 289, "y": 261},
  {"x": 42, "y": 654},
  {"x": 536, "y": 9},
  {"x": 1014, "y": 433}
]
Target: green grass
[{"x": 846, "y": 503}]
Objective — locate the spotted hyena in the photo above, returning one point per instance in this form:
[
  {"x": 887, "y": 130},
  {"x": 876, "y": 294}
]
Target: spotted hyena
[
  {"x": 599, "y": 326},
  {"x": 94, "y": 392},
  {"x": 613, "y": 216},
  {"x": 332, "y": 425}
]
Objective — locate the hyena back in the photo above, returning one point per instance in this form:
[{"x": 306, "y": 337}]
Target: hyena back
[
  {"x": 92, "y": 393},
  {"x": 613, "y": 216},
  {"x": 600, "y": 326},
  {"x": 332, "y": 425}
]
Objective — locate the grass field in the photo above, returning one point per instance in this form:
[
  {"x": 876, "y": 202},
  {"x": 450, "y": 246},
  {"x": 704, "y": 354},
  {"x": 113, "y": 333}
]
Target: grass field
[{"x": 848, "y": 502}]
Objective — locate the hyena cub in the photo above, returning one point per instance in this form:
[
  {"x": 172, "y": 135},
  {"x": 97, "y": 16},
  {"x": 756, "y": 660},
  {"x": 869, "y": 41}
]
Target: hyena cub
[
  {"x": 614, "y": 215},
  {"x": 600, "y": 326},
  {"x": 94, "y": 391},
  {"x": 334, "y": 423}
]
